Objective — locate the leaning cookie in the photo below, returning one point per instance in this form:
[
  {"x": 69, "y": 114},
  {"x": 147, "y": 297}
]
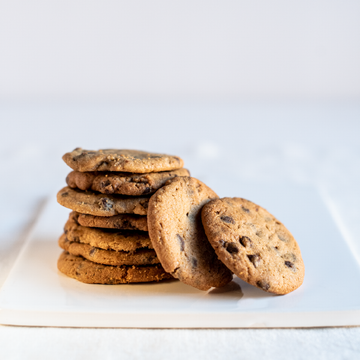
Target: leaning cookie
[
  {"x": 122, "y": 183},
  {"x": 178, "y": 236},
  {"x": 133, "y": 161},
  {"x": 254, "y": 244},
  {"x": 89, "y": 202},
  {"x": 140, "y": 256},
  {"x": 91, "y": 273}
]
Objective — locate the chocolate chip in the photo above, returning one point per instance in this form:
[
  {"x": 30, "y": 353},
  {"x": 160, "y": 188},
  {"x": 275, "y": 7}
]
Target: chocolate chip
[
  {"x": 92, "y": 251},
  {"x": 289, "y": 264},
  {"x": 232, "y": 248},
  {"x": 64, "y": 194},
  {"x": 245, "y": 209},
  {"x": 181, "y": 242},
  {"x": 104, "y": 184},
  {"x": 263, "y": 285},
  {"x": 255, "y": 259},
  {"x": 146, "y": 191},
  {"x": 282, "y": 238},
  {"x": 194, "y": 262},
  {"x": 65, "y": 231},
  {"x": 105, "y": 204},
  {"x": 227, "y": 219},
  {"x": 245, "y": 241}
]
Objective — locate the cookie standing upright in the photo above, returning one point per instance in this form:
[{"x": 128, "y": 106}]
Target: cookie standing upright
[
  {"x": 178, "y": 237},
  {"x": 133, "y": 161},
  {"x": 253, "y": 244}
]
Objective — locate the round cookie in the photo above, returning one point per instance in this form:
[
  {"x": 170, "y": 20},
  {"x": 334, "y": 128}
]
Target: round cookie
[
  {"x": 122, "y": 221},
  {"x": 91, "y": 273},
  {"x": 178, "y": 236},
  {"x": 133, "y": 161},
  {"x": 253, "y": 244},
  {"x": 122, "y": 183},
  {"x": 140, "y": 256},
  {"x": 88, "y": 202},
  {"x": 107, "y": 239}
]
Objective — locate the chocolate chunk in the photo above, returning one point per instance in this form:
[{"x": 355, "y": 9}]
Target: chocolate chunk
[
  {"x": 245, "y": 209},
  {"x": 104, "y": 184},
  {"x": 255, "y": 259},
  {"x": 64, "y": 194},
  {"x": 92, "y": 251},
  {"x": 181, "y": 242},
  {"x": 227, "y": 219},
  {"x": 146, "y": 191},
  {"x": 289, "y": 264},
  {"x": 245, "y": 241},
  {"x": 105, "y": 204},
  {"x": 282, "y": 238},
  {"x": 194, "y": 262},
  {"x": 263, "y": 285},
  {"x": 232, "y": 248}
]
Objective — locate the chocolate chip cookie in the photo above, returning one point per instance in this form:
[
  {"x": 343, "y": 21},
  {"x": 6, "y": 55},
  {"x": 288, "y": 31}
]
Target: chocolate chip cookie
[
  {"x": 133, "y": 161},
  {"x": 142, "y": 256},
  {"x": 253, "y": 244},
  {"x": 122, "y": 183},
  {"x": 89, "y": 202},
  {"x": 178, "y": 237},
  {"x": 91, "y": 273},
  {"x": 122, "y": 221},
  {"x": 107, "y": 239}
]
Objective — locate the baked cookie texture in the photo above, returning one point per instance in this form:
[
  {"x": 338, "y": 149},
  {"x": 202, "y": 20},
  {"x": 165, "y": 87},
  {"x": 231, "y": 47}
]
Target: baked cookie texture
[
  {"x": 140, "y": 256},
  {"x": 178, "y": 237},
  {"x": 89, "y": 202},
  {"x": 91, "y": 273},
  {"x": 122, "y": 183},
  {"x": 133, "y": 161},
  {"x": 253, "y": 244},
  {"x": 107, "y": 239},
  {"x": 122, "y": 221}
]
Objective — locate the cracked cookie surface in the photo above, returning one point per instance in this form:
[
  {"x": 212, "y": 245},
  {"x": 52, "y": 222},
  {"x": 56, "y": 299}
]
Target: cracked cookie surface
[
  {"x": 253, "y": 244},
  {"x": 133, "y": 161},
  {"x": 89, "y": 202},
  {"x": 91, "y": 273},
  {"x": 178, "y": 237},
  {"x": 122, "y": 183},
  {"x": 141, "y": 256}
]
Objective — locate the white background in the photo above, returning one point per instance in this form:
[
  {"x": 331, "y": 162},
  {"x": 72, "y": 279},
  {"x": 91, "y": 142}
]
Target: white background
[
  {"x": 261, "y": 91},
  {"x": 196, "y": 49}
]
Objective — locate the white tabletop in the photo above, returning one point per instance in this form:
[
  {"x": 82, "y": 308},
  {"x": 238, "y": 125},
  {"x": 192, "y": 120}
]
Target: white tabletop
[{"x": 299, "y": 143}]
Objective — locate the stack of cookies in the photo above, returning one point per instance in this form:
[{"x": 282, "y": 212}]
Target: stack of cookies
[
  {"x": 140, "y": 217},
  {"x": 106, "y": 238}
]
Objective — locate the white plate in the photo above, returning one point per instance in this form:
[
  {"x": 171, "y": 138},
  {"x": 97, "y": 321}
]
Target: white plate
[{"x": 35, "y": 293}]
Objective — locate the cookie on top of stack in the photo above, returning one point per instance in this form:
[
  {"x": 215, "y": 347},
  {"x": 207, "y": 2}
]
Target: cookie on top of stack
[{"x": 105, "y": 239}]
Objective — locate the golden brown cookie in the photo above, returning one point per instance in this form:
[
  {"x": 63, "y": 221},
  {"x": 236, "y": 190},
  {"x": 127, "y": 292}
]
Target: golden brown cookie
[
  {"x": 107, "y": 239},
  {"x": 178, "y": 236},
  {"x": 253, "y": 244},
  {"x": 122, "y": 221},
  {"x": 89, "y": 202},
  {"x": 122, "y": 183},
  {"x": 91, "y": 273},
  {"x": 133, "y": 161},
  {"x": 140, "y": 256}
]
